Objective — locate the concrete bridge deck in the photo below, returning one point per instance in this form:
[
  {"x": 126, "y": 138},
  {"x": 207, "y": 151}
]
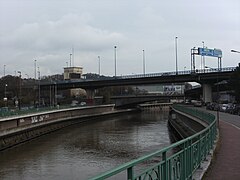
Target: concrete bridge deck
[{"x": 226, "y": 160}]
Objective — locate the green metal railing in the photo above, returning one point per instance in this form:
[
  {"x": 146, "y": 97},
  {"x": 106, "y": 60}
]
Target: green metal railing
[{"x": 175, "y": 162}]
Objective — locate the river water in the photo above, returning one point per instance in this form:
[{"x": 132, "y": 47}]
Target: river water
[{"x": 85, "y": 150}]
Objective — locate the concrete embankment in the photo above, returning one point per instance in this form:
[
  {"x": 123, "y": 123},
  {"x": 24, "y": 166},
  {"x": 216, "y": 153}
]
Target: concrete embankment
[
  {"x": 15, "y": 130},
  {"x": 185, "y": 125}
]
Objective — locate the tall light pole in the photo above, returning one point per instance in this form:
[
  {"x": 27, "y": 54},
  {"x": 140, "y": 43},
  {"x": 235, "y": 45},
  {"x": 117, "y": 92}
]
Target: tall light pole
[
  {"x": 203, "y": 57},
  {"x": 99, "y": 66},
  {"x": 73, "y": 56},
  {"x": 55, "y": 94},
  {"x": 70, "y": 65},
  {"x": 67, "y": 64},
  {"x": 35, "y": 69},
  {"x": 4, "y": 69},
  {"x": 235, "y": 51},
  {"x": 144, "y": 66},
  {"x": 115, "y": 60},
  {"x": 20, "y": 90},
  {"x": 176, "y": 54},
  {"x": 39, "y": 90},
  {"x": 5, "y": 95}
]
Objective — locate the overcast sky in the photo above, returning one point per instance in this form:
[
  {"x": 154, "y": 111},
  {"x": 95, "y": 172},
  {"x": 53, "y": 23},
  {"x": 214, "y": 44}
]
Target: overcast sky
[{"x": 46, "y": 30}]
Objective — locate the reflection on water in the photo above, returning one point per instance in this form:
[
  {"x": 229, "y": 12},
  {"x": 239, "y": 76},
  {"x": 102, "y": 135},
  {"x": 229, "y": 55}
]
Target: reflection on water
[{"x": 85, "y": 150}]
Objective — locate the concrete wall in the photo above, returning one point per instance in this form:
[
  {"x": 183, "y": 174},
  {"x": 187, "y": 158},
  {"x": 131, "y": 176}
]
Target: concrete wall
[
  {"x": 185, "y": 125},
  {"x": 16, "y": 130}
]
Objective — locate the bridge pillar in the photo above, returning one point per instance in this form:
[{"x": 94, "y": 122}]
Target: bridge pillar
[
  {"x": 90, "y": 95},
  {"x": 207, "y": 92}
]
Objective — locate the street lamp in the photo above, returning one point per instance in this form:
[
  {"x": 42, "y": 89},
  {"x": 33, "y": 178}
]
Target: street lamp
[
  {"x": 176, "y": 54},
  {"x": 115, "y": 60},
  {"x": 20, "y": 90},
  {"x": 39, "y": 90},
  {"x": 99, "y": 66},
  {"x": 35, "y": 69},
  {"x": 235, "y": 51},
  {"x": 5, "y": 95},
  {"x": 203, "y": 57},
  {"x": 70, "y": 59},
  {"x": 4, "y": 69},
  {"x": 144, "y": 63}
]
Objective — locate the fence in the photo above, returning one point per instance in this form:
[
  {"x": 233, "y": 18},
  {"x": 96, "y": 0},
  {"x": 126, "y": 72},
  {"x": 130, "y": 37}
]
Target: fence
[{"x": 177, "y": 161}]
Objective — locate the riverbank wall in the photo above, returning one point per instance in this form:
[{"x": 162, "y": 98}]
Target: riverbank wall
[
  {"x": 185, "y": 125},
  {"x": 18, "y": 129}
]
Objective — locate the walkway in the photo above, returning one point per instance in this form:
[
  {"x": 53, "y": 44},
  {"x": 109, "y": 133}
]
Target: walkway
[{"x": 226, "y": 161}]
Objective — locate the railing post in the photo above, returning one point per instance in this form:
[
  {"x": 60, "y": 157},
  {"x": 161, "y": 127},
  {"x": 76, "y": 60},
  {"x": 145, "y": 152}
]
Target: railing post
[
  {"x": 130, "y": 175},
  {"x": 165, "y": 171}
]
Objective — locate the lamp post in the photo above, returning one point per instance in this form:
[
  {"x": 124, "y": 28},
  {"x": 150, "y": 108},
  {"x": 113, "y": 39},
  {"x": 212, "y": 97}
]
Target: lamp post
[
  {"x": 35, "y": 69},
  {"x": 5, "y": 95},
  {"x": 4, "y": 69},
  {"x": 99, "y": 66},
  {"x": 235, "y": 51},
  {"x": 55, "y": 94},
  {"x": 176, "y": 54},
  {"x": 203, "y": 57},
  {"x": 144, "y": 66},
  {"x": 20, "y": 90},
  {"x": 39, "y": 90},
  {"x": 70, "y": 60},
  {"x": 115, "y": 60}
]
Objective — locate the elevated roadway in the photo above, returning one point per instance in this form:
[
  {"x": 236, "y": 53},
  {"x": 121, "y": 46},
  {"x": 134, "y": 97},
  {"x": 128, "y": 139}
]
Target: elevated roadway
[{"x": 201, "y": 76}]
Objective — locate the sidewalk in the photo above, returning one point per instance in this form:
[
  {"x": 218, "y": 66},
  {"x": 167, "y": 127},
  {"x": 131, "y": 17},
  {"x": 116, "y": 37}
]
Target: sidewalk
[{"x": 226, "y": 161}]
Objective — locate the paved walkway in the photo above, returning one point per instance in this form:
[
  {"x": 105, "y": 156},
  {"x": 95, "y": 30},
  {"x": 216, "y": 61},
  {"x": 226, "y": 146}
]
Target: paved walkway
[{"x": 226, "y": 162}]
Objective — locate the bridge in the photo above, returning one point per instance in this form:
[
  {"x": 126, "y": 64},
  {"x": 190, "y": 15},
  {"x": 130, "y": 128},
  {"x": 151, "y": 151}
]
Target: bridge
[
  {"x": 130, "y": 100},
  {"x": 206, "y": 77}
]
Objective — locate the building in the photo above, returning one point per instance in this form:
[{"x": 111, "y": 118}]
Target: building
[{"x": 73, "y": 73}]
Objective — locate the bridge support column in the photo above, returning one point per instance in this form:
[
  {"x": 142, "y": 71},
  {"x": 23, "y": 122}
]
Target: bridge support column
[
  {"x": 207, "y": 93},
  {"x": 90, "y": 95}
]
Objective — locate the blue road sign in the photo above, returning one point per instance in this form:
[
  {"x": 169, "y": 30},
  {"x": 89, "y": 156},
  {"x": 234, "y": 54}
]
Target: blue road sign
[{"x": 210, "y": 52}]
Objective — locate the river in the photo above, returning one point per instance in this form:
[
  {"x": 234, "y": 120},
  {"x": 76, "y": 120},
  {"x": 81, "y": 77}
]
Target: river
[{"x": 84, "y": 150}]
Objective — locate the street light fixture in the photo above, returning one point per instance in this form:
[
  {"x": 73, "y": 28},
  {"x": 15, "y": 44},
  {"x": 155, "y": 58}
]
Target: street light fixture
[
  {"x": 235, "y": 51},
  {"x": 176, "y": 54},
  {"x": 20, "y": 90},
  {"x": 4, "y": 69},
  {"x": 39, "y": 90},
  {"x": 144, "y": 66},
  {"x": 115, "y": 60},
  {"x": 35, "y": 69},
  {"x": 99, "y": 66},
  {"x": 70, "y": 60},
  {"x": 5, "y": 95},
  {"x": 203, "y": 57}
]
